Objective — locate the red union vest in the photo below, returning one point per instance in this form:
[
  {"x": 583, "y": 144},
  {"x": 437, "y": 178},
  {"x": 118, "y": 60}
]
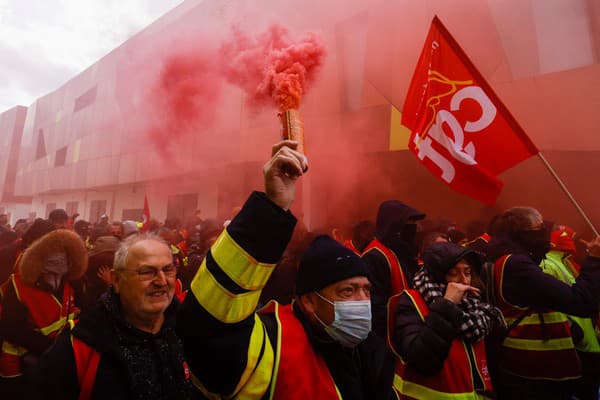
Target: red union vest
[
  {"x": 540, "y": 345},
  {"x": 299, "y": 373},
  {"x": 48, "y": 315},
  {"x": 86, "y": 362},
  {"x": 455, "y": 380},
  {"x": 397, "y": 278}
]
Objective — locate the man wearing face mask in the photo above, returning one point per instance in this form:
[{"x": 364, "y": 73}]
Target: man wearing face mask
[
  {"x": 38, "y": 301},
  {"x": 320, "y": 347},
  {"x": 391, "y": 256},
  {"x": 536, "y": 357}
]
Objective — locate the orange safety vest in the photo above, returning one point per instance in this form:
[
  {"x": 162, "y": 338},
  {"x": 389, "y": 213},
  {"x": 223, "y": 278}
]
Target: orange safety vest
[
  {"x": 397, "y": 278},
  {"x": 455, "y": 380},
  {"x": 540, "y": 345},
  {"x": 299, "y": 373},
  {"x": 47, "y": 314}
]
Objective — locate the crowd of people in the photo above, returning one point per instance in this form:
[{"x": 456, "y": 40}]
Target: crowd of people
[{"x": 402, "y": 307}]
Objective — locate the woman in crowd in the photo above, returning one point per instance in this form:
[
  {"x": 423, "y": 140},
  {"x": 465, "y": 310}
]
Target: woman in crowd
[{"x": 437, "y": 330}]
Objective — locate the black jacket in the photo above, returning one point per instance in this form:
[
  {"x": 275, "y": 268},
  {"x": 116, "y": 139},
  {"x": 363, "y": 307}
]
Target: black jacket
[
  {"x": 392, "y": 218},
  {"x": 365, "y": 372},
  {"x": 217, "y": 351},
  {"x": 526, "y": 285},
  {"x": 133, "y": 364},
  {"x": 381, "y": 290},
  {"x": 424, "y": 345}
]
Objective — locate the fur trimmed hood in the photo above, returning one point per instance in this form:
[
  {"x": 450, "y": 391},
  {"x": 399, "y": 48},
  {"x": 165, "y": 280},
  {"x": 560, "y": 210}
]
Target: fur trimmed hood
[{"x": 32, "y": 261}]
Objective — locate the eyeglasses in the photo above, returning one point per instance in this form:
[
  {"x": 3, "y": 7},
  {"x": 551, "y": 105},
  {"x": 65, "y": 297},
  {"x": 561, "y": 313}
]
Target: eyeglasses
[{"x": 150, "y": 273}]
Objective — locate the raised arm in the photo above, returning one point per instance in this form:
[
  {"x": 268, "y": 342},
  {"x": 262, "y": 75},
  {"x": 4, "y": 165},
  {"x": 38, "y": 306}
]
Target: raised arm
[{"x": 225, "y": 342}]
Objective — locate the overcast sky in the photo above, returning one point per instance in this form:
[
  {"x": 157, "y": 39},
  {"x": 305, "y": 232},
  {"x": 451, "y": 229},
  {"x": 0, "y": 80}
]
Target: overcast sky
[{"x": 44, "y": 43}]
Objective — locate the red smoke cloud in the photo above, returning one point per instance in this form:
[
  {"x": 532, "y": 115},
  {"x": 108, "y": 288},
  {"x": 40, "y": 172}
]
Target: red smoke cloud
[
  {"x": 270, "y": 68},
  {"x": 183, "y": 100}
]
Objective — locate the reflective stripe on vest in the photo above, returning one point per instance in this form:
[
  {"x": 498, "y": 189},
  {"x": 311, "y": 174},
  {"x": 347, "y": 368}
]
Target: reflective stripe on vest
[
  {"x": 45, "y": 310},
  {"x": 10, "y": 360},
  {"x": 299, "y": 373},
  {"x": 540, "y": 346},
  {"x": 416, "y": 391},
  {"x": 557, "y": 264},
  {"x": 47, "y": 314},
  {"x": 397, "y": 279},
  {"x": 455, "y": 380}
]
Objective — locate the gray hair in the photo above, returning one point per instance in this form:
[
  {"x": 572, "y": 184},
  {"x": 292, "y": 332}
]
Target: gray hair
[
  {"x": 126, "y": 244},
  {"x": 516, "y": 219}
]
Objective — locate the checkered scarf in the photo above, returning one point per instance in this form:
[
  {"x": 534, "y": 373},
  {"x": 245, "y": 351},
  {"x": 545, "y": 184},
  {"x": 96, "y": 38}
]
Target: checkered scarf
[{"x": 478, "y": 318}]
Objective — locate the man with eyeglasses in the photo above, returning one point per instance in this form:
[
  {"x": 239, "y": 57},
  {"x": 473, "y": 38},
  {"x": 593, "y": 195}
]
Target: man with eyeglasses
[
  {"x": 536, "y": 357},
  {"x": 126, "y": 347}
]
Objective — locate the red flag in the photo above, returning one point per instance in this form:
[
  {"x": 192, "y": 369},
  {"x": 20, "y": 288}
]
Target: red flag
[
  {"x": 145, "y": 216},
  {"x": 461, "y": 131}
]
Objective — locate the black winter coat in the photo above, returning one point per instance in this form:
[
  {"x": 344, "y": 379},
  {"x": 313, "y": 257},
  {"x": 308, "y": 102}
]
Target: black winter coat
[
  {"x": 424, "y": 345},
  {"x": 133, "y": 364},
  {"x": 526, "y": 285},
  {"x": 381, "y": 290}
]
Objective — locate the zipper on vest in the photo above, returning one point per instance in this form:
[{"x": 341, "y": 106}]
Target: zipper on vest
[{"x": 477, "y": 382}]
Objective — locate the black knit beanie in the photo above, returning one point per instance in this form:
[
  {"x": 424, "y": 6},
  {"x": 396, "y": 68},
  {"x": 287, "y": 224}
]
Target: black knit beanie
[{"x": 326, "y": 262}]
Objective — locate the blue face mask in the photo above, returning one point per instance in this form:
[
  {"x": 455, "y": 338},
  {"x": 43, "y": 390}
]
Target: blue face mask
[{"x": 352, "y": 322}]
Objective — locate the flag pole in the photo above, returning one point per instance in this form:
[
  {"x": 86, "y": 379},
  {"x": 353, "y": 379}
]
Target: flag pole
[{"x": 569, "y": 195}]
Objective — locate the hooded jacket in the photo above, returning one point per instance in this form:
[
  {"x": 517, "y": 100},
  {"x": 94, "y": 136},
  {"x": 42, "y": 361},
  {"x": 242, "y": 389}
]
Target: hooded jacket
[
  {"x": 392, "y": 218},
  {"x": 442, "y": 257},
  {"x": 425, "y": 346},
  {"x": 15, "y": 325}
]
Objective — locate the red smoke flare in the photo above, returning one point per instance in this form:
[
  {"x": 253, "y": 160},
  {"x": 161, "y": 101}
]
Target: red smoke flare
[{"x": 270, "y": 68}]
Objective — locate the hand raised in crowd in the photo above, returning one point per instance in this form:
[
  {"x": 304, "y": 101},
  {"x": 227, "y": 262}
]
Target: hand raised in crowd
[
  {"x": 455, "y": 291},
  {"x": 104, "y": 274},
  {"x": 592, "y": 247},
  {"x": 282, "y": 171}
]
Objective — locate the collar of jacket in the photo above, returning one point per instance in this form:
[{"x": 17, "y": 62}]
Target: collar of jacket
[
  {"x": 501, "y": 245},
  {"x": 97, "y": 328}
]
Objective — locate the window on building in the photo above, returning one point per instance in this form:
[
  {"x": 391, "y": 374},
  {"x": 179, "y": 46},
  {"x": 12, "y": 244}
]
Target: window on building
[
  {"x": 49, "y": 208},
  {"x": 86, "y": 99},
  {"x": 71, "y": 207},
  {"x": 134, "y": 214},
  {"x": 97, "y": 208},
  {"x": 61, "y": 157},
  {"x": 41, "y": 145},
  {"x": 182, "y": 206}
]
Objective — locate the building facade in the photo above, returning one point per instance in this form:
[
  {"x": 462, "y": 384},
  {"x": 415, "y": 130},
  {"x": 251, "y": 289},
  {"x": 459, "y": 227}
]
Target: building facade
[{"x": 92, "y": 147}]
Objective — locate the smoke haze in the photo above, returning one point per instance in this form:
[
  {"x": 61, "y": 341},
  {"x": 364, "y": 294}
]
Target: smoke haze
[{"x": 194, "y": 97}]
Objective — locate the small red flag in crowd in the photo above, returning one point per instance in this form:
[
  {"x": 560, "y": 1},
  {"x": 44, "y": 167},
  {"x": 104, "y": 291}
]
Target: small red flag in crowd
[
  {"x": 461, "y": 131},
  {"x": 145, "y": 216}
]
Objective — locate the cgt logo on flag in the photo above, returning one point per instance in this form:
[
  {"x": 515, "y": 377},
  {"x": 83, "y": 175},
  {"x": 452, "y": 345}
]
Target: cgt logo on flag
[{"x": 461, "y": 131}]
